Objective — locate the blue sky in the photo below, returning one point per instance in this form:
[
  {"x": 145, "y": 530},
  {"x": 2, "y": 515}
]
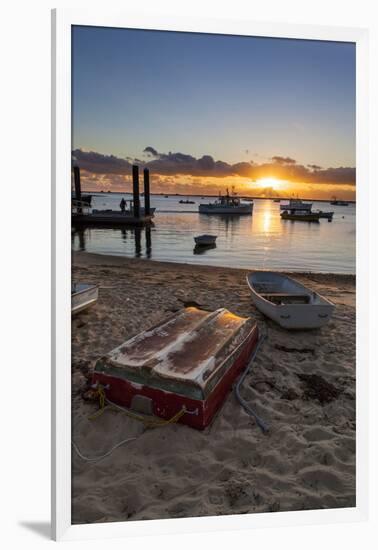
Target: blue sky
[{"x": 238, "y": 99}]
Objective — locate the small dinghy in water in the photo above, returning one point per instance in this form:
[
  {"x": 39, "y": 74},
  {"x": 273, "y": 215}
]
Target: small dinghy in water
[
  {"x": 205, "y": 240},
  {"x": 287, "y": 302}
]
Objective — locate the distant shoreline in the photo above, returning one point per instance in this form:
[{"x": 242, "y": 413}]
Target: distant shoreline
[{"x": 99, "y": 193}]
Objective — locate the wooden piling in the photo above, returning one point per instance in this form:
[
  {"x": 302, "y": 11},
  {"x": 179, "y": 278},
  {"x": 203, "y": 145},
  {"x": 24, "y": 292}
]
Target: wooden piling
[
  {"x": 146, "y": 178},
  {"x": 148, "y": 242},
  {"x": 77, "y": 187},
  {"x": 136, "y": 199}
]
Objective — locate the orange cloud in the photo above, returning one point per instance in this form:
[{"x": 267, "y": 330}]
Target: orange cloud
[{"x": 185, "y": 174}]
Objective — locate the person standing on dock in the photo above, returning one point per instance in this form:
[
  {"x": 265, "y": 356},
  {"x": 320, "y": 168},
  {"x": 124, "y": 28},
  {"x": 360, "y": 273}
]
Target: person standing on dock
[{"x": 122, "y": 204}]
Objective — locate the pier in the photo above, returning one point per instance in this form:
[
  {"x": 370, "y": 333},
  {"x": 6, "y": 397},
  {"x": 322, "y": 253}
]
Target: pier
[{"x": 135, "y": 216}]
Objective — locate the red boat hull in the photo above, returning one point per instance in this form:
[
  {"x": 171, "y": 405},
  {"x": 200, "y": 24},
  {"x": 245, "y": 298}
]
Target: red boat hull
[{"x": 167, "y": 404}]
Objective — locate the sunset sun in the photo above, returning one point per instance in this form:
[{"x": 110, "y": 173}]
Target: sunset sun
[{"x": 269, "y": 182}]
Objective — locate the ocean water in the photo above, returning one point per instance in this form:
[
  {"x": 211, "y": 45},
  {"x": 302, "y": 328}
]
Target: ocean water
[{"x": 260, "y": 241}]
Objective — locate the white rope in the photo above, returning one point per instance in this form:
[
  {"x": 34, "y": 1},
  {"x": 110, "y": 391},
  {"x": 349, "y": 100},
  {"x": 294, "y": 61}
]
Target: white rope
[{"x": 97, "y": 458}]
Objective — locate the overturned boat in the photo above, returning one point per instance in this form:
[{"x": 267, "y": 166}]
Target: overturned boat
[
  {"x": 287, "y": 302},
  {"x": 186, "y": 364}
]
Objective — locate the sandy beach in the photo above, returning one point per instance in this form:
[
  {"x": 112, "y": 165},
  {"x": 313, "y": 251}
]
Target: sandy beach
[{"x": 302, "y": 384}]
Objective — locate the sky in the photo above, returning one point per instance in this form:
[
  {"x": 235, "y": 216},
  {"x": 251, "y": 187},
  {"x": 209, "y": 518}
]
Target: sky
[{"x": 272, "y": 117}]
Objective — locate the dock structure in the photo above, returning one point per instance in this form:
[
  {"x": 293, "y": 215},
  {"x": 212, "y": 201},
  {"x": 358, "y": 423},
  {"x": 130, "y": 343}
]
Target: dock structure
[{"x": 135, "y": 216}]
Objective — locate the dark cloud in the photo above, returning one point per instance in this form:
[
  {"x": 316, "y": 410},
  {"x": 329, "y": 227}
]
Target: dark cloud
[
  {"x": 283, "y": 160},
  {"x": 172, "y": 164},
  {"x": 335, "y": 175},
  {"x": 151, "y": 152},
  {"x": 99, "y": 163},
  {"x": 206, "y": 162}
]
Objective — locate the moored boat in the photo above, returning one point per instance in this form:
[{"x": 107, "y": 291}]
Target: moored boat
[
  {"x": 287, "y": 302},
  {"x": 227, "y": 204},
  {"x": 296, "y": 204},
  {"x": 205, "y": 240},
  {"x": 83, "y": 296},
  {"x": 300, "y": 215}
]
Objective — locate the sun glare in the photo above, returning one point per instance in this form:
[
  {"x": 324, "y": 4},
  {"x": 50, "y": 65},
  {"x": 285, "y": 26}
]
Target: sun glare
[{"x": 269, "y": 182}]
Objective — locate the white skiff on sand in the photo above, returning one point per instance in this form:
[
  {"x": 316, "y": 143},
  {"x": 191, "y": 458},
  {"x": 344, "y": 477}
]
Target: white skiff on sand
[
  {"x": 83, "y": 296},
  {"x": 287, "y": 302}
]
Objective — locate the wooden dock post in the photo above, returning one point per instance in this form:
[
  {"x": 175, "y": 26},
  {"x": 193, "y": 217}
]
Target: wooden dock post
[
  {"x": 148, "y": 242},
  {"x": 136, "y": 191},
  {"x": 146, "y": 178},
  {"x": 78, "y": 188}
]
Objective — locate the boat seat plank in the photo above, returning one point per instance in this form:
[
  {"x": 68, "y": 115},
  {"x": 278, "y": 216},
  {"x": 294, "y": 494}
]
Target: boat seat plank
[{"x": 284, "y": 295}]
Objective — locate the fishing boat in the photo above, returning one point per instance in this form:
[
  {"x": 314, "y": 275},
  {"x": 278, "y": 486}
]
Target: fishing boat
[
  {"x": 300, "y": 215},
  {"x": 83, "y": 296},
  {"x": 287, "y": 302},
  {"x": 336, "y": 202},
  {"x": 296, "y": 204},
  {"x": 227, "y": 204},
  {"x": 205, "y": 240},
  {"x": 183, "y": 367}
]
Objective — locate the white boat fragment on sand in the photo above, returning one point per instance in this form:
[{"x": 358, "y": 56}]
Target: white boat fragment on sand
[
  {"x": 83, "y": 296},
  {"x": 287, "y": 302}
]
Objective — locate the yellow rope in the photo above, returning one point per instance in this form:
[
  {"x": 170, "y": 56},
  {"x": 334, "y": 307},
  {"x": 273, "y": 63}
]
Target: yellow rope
[
  {"x": 149, "y": 422},
  {"x": 101, "y": 399}
]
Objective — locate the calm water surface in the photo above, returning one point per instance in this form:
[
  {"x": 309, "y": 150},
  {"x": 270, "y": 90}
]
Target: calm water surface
[{"x": 260, "y": 241}]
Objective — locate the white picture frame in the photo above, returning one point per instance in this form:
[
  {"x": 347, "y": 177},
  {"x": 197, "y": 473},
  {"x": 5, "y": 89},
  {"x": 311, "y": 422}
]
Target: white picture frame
[{"x": 62, "y": 20}]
